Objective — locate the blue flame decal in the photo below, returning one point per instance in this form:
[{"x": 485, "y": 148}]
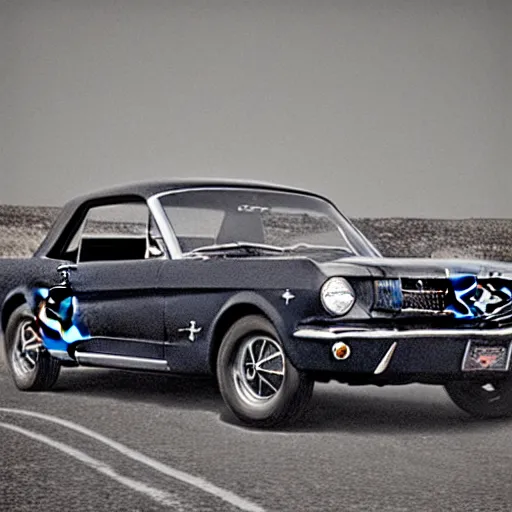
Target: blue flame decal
[
  {"x": 475, "y": 299},
  {"x": 58, "y": 320}
]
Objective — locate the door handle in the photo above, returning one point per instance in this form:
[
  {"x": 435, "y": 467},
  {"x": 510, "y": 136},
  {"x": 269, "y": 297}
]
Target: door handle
[{"x": 66, "y": 267}]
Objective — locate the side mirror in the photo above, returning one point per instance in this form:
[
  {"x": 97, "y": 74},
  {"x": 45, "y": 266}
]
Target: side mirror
[
  {"x": 155, "y": 252},
  {"x": 65, "y": 270}
]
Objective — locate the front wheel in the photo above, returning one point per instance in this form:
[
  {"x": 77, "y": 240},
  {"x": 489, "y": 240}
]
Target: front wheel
[
  {"x": 256, "y": 379},
  {"x": 483, "y": 399},
  {"x": 32, "y": 367}
]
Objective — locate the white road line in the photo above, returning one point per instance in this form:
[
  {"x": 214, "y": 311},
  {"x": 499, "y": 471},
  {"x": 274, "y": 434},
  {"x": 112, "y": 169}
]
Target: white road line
[
  {"x": 161, "y": 497},
  {"x": 200, "y": 483}
]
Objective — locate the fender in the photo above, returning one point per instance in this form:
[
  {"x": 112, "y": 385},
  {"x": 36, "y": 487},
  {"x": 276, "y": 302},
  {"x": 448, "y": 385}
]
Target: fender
[
  {"x": 251, "y": 302},
  {"x": 15, "y": 298}
]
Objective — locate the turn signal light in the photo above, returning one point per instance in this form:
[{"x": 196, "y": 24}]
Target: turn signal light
[{"x": 340, "y": 351}]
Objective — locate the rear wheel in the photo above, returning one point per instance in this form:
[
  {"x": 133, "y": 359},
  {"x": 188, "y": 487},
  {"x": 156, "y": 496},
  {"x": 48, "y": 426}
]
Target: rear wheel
[
  {"x": 31, "y": 366},
  {"x": 256, "y": 379},
  {"x": 483, "y": 399}
]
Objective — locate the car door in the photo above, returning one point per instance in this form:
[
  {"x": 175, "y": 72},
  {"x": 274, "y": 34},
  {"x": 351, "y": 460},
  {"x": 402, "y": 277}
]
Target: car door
[
  {"x": 191, "y": 303},
  {"x": 115, "y": 283}
]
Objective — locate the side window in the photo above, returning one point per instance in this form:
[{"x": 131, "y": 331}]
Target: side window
[{"x": 115, "y": 232}]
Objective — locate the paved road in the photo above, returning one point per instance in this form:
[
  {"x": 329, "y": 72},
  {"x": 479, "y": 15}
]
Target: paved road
[{"x": 158, "y": 443}]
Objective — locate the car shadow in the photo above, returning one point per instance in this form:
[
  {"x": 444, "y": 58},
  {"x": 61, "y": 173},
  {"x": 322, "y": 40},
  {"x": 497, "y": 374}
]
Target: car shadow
[
  {"x": 385, "y": 411},
  {"x": 165, "y": 390},
  {"x": 333, "y": 408}
]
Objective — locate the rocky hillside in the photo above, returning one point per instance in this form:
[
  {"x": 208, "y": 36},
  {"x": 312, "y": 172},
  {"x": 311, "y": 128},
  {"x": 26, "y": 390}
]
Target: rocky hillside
[
  {"x": 437, "y": 238},
  {"x": 22, "y": 229}
]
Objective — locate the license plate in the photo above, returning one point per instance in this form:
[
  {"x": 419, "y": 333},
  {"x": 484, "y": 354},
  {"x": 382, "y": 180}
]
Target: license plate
[{"x": 494, "y": 358}]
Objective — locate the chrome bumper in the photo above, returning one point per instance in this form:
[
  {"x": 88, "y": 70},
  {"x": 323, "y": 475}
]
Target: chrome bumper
[{"x": 351, "y": 333}]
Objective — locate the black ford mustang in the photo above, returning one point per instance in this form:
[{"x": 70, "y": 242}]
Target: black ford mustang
[{"x": 268, "y": 288}]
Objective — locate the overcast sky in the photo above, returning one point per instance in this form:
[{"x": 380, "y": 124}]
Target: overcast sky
[{"x": 390, "y": 107}]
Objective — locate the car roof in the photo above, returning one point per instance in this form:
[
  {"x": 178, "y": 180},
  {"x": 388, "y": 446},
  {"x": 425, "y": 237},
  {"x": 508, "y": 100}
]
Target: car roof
[
  {"x": 73, "y": 211},
  {"x": 148, "y": 189}
]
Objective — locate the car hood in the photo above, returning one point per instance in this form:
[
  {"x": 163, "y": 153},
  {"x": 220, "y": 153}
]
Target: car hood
[{"x": 413, "y": 267}]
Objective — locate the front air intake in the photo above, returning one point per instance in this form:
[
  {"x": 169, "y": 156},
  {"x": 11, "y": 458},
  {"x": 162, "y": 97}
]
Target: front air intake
[{"x": 427, "y": 296}]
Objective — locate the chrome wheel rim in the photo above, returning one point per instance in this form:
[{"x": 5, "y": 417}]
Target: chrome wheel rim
[
  {"x": 259, "y": 370},
  {"x": 26, "y": 349}
]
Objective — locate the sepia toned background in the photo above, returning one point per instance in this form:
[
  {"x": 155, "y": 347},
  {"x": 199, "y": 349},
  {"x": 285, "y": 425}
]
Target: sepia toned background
[
  {"x": 393, "y": 108},
  {"x": 398, "y": 110}
]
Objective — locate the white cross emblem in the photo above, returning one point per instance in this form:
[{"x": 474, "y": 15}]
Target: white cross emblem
[
  {"x": 192, "y": 330},
  {"x": 287, "y": 296}
]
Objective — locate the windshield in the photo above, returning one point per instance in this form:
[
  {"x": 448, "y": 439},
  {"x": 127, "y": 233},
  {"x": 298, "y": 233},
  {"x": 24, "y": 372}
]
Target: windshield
[{"x": 206, "y": 218}]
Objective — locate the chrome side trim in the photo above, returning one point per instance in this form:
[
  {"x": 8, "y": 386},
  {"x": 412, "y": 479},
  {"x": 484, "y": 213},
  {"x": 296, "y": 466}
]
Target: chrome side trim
[
  {"x": 415, "y": 311},
  {"x": 162, "y": 222},
  {"x": 388, "y": 334},
  {"x": 384, "y": 363},
  {"x": 61, "y": 355},
  {"x": 111, "y": 361},
  {"x": 114, "y": 338}
]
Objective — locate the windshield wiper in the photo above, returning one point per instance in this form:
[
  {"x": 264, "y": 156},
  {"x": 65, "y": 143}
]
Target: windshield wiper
[
  {"x": 247, "y": 247},
  {"x": 252, "y": 248},
  {"x": 312, "y": 247}
]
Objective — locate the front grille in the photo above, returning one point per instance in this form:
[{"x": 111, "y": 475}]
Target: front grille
[
  {"x": 463, "y": 296},
  {"x": 425, "y": 296},
  {"x": 424, "y": 300}
]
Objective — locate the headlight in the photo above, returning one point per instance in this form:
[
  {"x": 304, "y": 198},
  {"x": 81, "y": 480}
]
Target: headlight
[{"x": 337, "y": 296}]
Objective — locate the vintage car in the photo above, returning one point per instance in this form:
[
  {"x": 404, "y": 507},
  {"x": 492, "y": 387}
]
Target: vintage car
[{"x": 268, "y": 288}]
